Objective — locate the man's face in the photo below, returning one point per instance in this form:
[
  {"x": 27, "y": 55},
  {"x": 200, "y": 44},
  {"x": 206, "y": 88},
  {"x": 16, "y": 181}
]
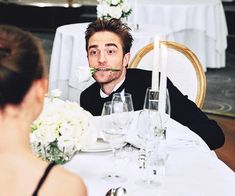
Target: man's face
[{"x": 105, "y": 51}]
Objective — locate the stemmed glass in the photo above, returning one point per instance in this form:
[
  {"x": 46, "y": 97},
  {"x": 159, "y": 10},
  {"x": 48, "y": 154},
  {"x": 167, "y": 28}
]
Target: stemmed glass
[
  {"x": 120, "y": 109},
  {"x": 110, "y": 135},
  {"x": 164, "y": 118},
  {"x": 150, "y": 133},
  {"x": 151, "y": 99},
  {"x": 151, "y": 103},
  {"x": 148, "y": 145}
]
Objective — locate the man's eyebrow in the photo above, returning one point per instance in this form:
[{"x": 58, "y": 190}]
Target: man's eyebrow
[
  {"x": 96, "y": 46},
  {"x": 92, "y": 46},
  {"x": 111, "y": 44}
]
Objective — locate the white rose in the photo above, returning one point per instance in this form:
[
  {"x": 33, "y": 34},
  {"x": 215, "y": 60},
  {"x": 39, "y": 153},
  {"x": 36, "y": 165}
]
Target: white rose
[
  {"x": 83, "y": 73},
  {"x": 115, "y": 2},
  {"x": 102, "y": 10},
  {"x": 107, "y": 1},
  {"x": 49, "y": 133},
  {"x": 115, "y": 12},
  {"x": 66, "y": 144},
  {"x": 125, "y": 7}
]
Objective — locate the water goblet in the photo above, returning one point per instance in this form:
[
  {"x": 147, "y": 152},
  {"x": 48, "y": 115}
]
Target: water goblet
[
  {"x": 151, "y": 99},
  {"x": 148, "y": 144},
  {"x": 165, "y": 116},
  {"x": 122, "y": 110},
  {"x": 151, "y": 103},
  {"x": 114, "y": 137}
]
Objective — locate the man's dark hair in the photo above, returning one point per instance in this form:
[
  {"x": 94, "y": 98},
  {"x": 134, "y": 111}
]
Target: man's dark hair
[{"x": 112, "y": 25}]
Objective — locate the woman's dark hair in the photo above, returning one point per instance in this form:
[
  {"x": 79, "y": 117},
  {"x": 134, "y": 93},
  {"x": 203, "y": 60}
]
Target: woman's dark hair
[
  {"x": 21, "y": 63},
  {"x": 112, "y": 25}
]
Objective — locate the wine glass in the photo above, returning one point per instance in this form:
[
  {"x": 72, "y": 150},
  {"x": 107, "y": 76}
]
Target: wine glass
[
  {"x": 106, "y": 110},
  {"x": 120, "y": 108},
  {"x": 151, "y": 103},
  {"x": 113, "y": 137},
  {"x": 165, "y": 117},
  {"x": 151, "y": 99},
  {"x": 148, "y": 145}
]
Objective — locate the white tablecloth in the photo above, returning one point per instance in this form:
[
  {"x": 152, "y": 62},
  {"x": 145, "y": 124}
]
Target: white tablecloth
[
  {"x": 69, "y": 52},
  {"x": 199, "y": 24},
  {"x": 191, "y": 169}
]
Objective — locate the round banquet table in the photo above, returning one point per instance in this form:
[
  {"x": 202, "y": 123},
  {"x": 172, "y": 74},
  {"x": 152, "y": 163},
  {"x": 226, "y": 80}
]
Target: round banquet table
[{"x": 191, "y": 167}]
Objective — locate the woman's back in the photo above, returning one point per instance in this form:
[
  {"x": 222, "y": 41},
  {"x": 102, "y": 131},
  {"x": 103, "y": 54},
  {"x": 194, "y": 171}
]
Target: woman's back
[
  {"x": 23, "y": 85},
  {"x": 21, "y": 175}
]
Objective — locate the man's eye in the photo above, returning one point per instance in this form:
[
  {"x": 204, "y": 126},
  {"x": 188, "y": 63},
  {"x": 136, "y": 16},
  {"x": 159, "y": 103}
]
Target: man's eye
[
  {"x": 110, "y": 51},
  {"x": 93, "y": 52}
]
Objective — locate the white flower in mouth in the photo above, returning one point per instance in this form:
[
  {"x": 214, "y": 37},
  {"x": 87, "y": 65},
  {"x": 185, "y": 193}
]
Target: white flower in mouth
[{"x": 83, "y": 73}]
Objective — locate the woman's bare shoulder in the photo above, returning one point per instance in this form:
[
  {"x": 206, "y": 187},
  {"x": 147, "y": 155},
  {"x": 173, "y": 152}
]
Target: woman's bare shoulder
[{"x": 65, "y": 182}]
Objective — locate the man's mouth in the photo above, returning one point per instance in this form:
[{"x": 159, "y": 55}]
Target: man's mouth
[{"x": 94, "y": 70}]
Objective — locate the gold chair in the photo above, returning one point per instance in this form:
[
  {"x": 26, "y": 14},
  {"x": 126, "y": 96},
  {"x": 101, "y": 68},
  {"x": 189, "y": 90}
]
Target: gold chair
[{"x": 183, "y": 69}]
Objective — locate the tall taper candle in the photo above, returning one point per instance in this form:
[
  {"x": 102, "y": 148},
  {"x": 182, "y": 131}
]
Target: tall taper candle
[
  {"x": 163, "y": 79},
  {"x": 156, "y": 60}
]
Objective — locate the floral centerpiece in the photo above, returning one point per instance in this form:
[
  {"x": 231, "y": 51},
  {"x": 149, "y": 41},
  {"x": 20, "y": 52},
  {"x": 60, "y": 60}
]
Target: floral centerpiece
[
  {"x": 61, "y": 130},
  {"x": 107, "y": 9}
]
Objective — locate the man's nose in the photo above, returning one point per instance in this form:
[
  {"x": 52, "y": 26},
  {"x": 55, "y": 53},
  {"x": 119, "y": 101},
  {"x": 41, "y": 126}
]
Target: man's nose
[{"x": 102, "y": 57}]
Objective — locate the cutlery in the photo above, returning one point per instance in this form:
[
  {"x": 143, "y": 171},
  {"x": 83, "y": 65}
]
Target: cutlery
[
  {"x": 120, "y": 191},
  {"x": 111, "y": 192}
]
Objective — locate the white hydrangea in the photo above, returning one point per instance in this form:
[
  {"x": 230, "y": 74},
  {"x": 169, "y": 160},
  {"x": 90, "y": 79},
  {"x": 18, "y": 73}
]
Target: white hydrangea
[
  {"x": 115, "y": 12},
  {"x": 115, "y": 2},
  {"x": 113, "y": 9},
  {"x": 61, "y": 130}
]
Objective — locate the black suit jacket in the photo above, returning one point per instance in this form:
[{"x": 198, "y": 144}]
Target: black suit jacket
[{"x": 182, "y": 109}]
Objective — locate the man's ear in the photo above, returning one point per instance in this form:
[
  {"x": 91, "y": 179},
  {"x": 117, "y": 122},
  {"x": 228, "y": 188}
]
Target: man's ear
[{"x": 126, "y": 59}]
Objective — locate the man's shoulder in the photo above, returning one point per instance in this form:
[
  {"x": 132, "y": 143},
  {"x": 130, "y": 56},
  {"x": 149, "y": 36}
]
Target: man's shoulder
[
  {"x": 138, "y": 78},
  {"x": 138, "y": 73},
  {"x": 93, "y": 88}
]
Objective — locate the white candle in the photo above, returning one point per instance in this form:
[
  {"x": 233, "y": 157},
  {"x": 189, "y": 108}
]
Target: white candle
[
  {"x": 156, "y": 64},
  {"x": 163, "y": 80}
]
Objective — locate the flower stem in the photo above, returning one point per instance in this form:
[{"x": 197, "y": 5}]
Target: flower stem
[{"x": 93, "y": 70}]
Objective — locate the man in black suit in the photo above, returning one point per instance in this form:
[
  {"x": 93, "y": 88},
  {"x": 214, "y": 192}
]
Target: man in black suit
[{"x": 108, "y": 44}]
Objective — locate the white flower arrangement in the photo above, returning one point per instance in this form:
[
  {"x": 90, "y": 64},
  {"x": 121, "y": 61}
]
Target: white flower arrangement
[
  {"x": 107, "y": 9},
  {"x": 62, "y": 129}
]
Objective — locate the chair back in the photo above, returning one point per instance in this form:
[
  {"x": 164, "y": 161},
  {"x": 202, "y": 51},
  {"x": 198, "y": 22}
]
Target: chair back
[{"x": 183, "y": 69}]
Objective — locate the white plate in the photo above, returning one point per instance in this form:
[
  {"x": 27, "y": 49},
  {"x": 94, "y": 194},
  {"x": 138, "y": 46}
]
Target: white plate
[{"x": 99, "y": 146}]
